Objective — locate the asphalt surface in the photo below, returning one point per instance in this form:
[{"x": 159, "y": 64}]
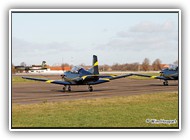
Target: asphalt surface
[{"x": 40, "y": 92}]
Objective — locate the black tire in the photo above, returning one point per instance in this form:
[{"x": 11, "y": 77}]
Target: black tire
[
  {"x": 90, "y": 88},
  {"x": 165, "y": 83},
  {"x": 64, "y": 89}
]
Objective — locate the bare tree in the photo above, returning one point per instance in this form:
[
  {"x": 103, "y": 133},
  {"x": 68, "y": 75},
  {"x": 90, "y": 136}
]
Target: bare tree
[
  {"x": 104, "y": 67},
  {"x": 145, "y": 64},
  {"x": 65, "y": 65},
  {"x": 134, "y": 67},
  {"x": 115, "y": 67},
  {"x": 156, "y": 64}
]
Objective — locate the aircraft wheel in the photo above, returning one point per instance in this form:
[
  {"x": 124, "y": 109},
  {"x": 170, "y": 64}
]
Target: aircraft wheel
[
  {"x": 165, "y": 83},
  {"x": 90, "y": 88},
  {"x": 64, "y": 89}
]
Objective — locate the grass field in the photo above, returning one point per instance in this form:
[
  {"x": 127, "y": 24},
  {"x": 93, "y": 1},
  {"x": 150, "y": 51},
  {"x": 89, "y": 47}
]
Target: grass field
[
  {"x": 19, "y": 79},
  {"x": 128, "y": 111}
]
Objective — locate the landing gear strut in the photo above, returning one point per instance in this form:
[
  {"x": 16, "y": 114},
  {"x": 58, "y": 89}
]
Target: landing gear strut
[
  {"x": 64, "y": 88},
  {"x": 90, "y": 88},
  {"x": 165, "y": 83},
  {"x": 69, "y": 88}
]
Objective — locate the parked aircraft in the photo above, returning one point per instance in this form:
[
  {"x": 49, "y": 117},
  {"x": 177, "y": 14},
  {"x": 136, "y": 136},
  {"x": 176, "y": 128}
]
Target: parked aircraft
[
  {"x": 79, "y": 76},
  {"x": 170, "y": 73}
]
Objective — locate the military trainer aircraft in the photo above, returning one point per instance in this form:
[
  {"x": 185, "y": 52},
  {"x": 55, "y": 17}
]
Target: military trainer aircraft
[
  {"x": 79, "y": 76},
  {"x": 170, "y": 73}
]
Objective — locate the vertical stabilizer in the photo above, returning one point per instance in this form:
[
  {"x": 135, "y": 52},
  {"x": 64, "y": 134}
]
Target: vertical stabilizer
[
  {"x": 94, "y": 70},
  {"x": 43, "y": 64},
  {"x": 95, "y": 65}
]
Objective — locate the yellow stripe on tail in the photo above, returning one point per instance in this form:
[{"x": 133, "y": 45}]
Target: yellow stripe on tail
[{"x": 96, "y": 64}]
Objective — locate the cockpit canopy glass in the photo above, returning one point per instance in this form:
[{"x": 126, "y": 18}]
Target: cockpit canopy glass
[
  {"x": 76, "y": 69},
  {"x": 172, "y": 67}
]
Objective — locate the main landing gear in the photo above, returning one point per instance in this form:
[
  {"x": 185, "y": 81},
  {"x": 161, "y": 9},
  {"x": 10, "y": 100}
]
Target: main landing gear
[
  {"x": 69, "y": 88},
  {"x": 165, "y": 83},
  {"x": 65, "y": 87}
]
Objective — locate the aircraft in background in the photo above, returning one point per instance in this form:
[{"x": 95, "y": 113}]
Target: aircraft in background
[
  {"x": 32, "y": 68},
  {"x": 79, "y": 76},
  {"x": 166, "y": 74}
]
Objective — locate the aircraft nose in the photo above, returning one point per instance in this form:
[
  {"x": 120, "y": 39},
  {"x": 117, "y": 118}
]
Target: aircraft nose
[
  {"x": 161, "y": 73},
  {"x": 62, "y": 75}
]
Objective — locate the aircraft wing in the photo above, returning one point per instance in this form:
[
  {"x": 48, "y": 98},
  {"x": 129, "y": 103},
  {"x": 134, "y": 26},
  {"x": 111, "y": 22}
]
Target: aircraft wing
[
  {"x": 120, "y": 76},
  {"x": 113, "y": 77},
  {"x": 154, "y": 77},
  {"x": 101, "y": 80},
  {"x": 60, "y": 82}
]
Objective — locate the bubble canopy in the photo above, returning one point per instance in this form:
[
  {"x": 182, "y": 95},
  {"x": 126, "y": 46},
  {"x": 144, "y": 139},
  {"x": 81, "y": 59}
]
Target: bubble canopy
[
  {"x": 172, "y": 67},
  {"x": 76, "y": 69}
]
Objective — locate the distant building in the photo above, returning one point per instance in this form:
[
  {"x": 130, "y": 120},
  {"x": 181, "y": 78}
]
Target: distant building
[
  {"x": 56, "y": 68},
  {"x": 48, "y": 69},
  {"x": 163, "y": 66},
  {"x": 19, "y": 69}
]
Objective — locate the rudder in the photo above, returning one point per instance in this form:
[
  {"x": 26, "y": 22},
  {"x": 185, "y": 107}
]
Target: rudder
[
  {"x": 94, "y": 70},
  {"x": 95, "y": 65}
]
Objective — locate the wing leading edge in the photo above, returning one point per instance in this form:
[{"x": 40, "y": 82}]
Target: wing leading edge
[
  {"x": 102, "y": 79},
  {"x": 153, "y": 77},
  {"x": 113, "y": 77},
  {"x": 49, "y": 81}
]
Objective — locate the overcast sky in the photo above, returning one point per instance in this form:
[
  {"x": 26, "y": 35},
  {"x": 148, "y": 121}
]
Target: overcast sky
[{"x": 74, "y": 37}]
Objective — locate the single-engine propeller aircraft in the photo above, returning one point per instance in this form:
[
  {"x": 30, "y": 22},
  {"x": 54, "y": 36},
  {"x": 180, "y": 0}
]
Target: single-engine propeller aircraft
[
  {"x": 79, "y": 76},
  {"x": 166, "y": 74}
]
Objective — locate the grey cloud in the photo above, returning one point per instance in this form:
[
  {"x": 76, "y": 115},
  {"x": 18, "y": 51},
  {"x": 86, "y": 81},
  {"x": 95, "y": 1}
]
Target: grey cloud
[
  {"x": 34, "y": 52},
  {"x": 147, "y": 26},
  {"x": 145, "y": 36},
  {"x": 24, "y": 46}
]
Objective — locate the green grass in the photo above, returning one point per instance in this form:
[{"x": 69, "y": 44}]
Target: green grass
[
  {"x": 129, "y": 111},
  {"x": 19, "y": 79}
]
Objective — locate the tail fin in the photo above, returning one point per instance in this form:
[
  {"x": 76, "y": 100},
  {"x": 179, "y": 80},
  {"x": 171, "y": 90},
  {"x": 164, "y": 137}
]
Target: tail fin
[
  {"x": 43, "y": 64},
  {"x": 94, "y": 70}
]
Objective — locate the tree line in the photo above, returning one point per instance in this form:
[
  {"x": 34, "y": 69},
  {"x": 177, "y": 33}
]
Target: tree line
[{"x": 146, "y": 65}]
